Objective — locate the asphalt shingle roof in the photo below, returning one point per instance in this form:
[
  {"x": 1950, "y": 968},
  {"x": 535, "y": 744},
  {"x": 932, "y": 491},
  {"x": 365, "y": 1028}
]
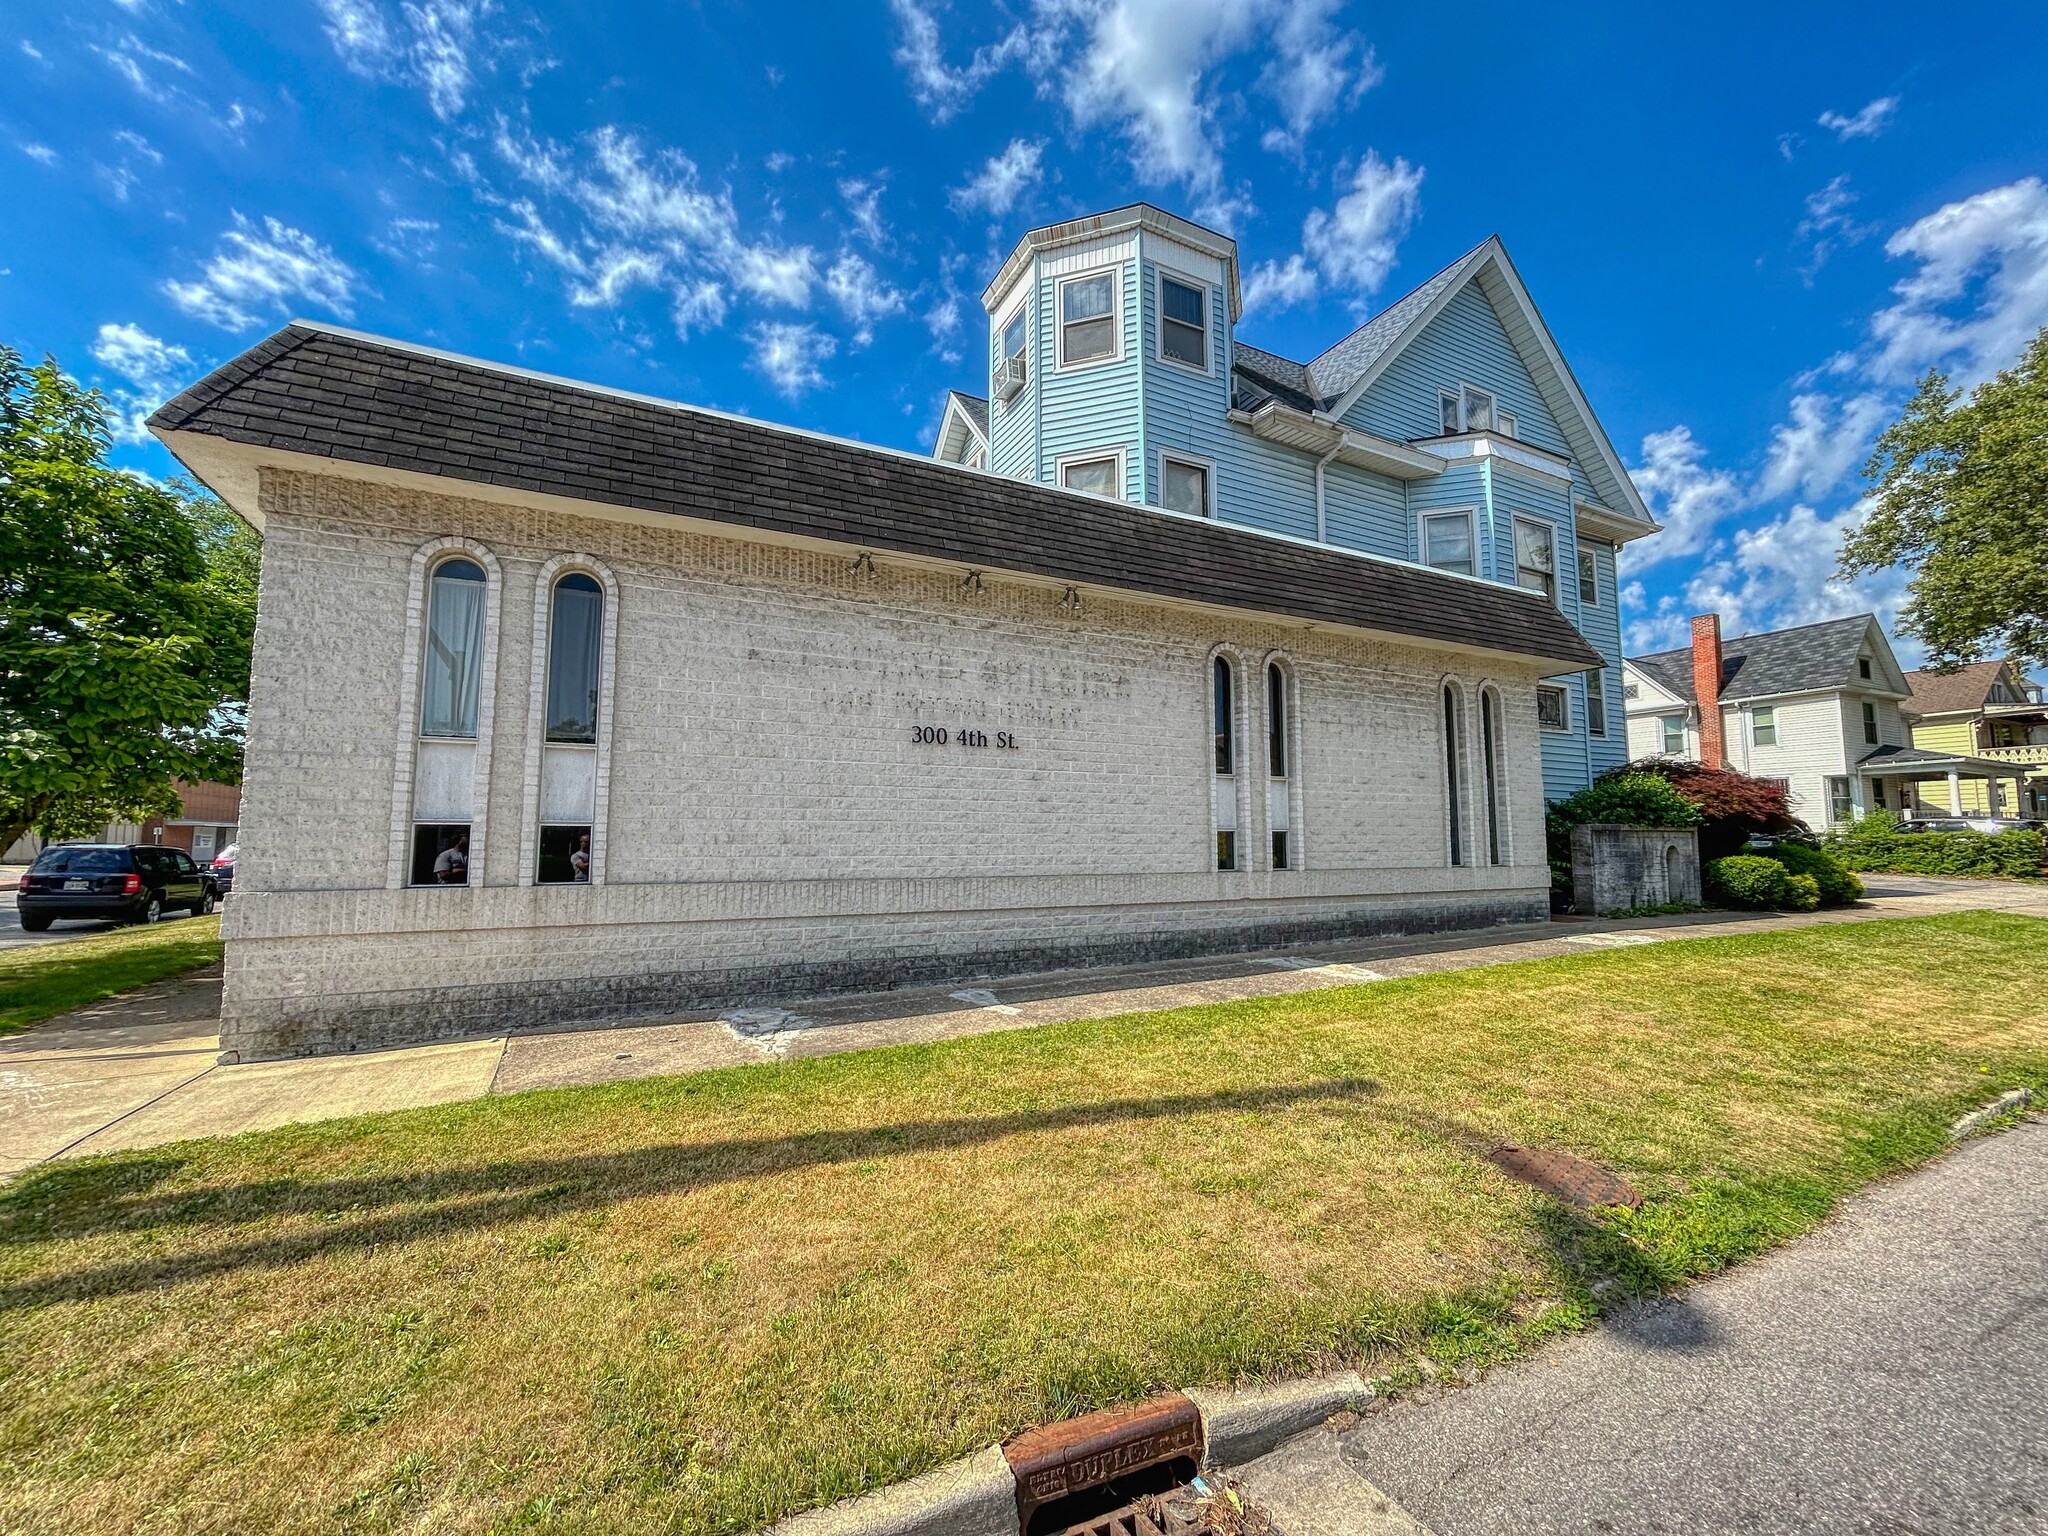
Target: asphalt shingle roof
[
  {"x": 1802, "y": 660},
  {"x": 1939, "y": 693},
  {"x": 352, "y": 399},
  {"x": 1270, "y": 376},
  {"x": 976, "y": 407},
  {"x": 1337, "y": 368}
]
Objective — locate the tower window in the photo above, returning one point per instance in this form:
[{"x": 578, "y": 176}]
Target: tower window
[
  {"x": 1183, "y": 323},
  {"x": 1088, "y": 318}
]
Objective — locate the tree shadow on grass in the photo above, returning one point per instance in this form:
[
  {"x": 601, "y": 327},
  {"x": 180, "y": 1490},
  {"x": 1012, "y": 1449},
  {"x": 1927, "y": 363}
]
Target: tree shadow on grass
[{"x": 61, "y": 1202}]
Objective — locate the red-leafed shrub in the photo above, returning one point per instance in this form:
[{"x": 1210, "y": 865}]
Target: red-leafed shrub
[{"x": 1735, "y": 806}]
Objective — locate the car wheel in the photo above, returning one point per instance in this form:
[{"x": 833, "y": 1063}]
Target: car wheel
[
  {"x": 203, "y": 907},
  {"x": 154, "y": 911},
  {"x": 36, "y": 922}
]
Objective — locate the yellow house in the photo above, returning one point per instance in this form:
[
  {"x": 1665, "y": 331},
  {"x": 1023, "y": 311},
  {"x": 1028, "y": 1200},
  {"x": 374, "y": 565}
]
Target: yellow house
[{"x": 1988, "y": 710}]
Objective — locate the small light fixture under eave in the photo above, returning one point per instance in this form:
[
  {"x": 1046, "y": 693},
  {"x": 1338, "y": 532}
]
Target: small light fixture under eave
[
  {"x": 864, "y": 564},
  {"x": 971, "y": 582},
  {"x": 1070, "y": 600}
]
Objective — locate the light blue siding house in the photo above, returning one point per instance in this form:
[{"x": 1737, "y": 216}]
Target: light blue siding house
[{"x": 1446, "y": 431}]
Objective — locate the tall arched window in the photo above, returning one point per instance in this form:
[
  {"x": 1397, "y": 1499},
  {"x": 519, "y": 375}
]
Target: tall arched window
[
  {"x": 1279, "y": 765},
  {"x": 1224, "y": 799},
  {"x": 568, "y": 770},
  {"x": 451, "y": 675},
  {"x": 1454, "y": 749},
  {"x": 1489, "y": 731}
]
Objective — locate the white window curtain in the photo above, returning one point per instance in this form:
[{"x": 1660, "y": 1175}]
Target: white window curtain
[{"x": 455, "y": 650}]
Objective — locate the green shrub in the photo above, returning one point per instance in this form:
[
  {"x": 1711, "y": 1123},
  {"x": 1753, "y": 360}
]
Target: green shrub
[
  {"x": 1802, "y": 893},
  {"x": 1837, "y": 884},
  {"x": 1746, "y": 880},
  {"x": 1874, "y": 842},
  {"x": 1615, "y": 800}
]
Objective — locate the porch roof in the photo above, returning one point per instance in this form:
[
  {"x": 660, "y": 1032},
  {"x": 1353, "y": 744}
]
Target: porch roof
[{"x": 1916, "y": 763}]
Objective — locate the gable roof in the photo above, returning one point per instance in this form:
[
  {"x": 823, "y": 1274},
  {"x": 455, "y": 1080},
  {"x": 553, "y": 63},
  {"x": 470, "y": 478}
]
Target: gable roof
[
  {"x": 1336, "y": 369},
  {"x": 1965, "y": 689},
  {"x": 316, "y": 398},
  {"x": 973, "y": 407},
  {"x": 1263, "y": 376},
  {"x": 1809, "y": 659},
  {"x": 965, "y": 417}
]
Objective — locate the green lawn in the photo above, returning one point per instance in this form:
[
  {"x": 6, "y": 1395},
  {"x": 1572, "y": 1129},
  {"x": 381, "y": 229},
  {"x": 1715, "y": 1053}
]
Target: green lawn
[
  {"x": 694, "y": 1304},
  {"x": 40, "y": 981}
]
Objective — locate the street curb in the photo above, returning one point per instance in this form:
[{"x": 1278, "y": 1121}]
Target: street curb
[
  {"x": 977, "y": 1495},
  {"x": 1977, "y": 1119},
  {"x": 1241, "y": 1424}
]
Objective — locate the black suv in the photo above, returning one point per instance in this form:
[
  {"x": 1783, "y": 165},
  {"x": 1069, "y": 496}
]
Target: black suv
[{"x": 130, "y": 883}]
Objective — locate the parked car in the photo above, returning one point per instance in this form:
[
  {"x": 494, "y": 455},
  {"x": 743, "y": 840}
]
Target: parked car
[
  {"x": 128, "y": 882},
  {"x": 223, "y": 868},
  {"x": 1986, "y": 824}
]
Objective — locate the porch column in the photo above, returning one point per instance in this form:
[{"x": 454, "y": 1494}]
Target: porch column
[{"x": 1955, "y": 793}]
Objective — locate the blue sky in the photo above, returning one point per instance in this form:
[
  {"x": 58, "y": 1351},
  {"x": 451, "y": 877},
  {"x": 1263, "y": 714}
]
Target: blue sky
[{"x": 1749, "y": 235}]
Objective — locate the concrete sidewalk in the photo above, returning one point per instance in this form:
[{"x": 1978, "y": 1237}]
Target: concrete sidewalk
[
  {"x": 140, "y": 1069},
  {"x": 1883, "y": 1374}
]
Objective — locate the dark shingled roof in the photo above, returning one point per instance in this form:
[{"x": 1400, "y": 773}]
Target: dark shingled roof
[
  {"x": 1802, "y": 660},
  {"x": 1263, "y": 376},
  {"x": 358, "y": 400}
]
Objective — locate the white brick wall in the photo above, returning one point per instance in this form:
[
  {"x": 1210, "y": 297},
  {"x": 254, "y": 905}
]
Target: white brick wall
[{"x": 771, "y": 822}]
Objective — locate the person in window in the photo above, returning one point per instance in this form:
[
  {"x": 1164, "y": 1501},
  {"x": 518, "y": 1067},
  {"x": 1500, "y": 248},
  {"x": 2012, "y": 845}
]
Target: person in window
[
  {"x": 452, "y": 867},
  {"x": 579, "y": 861}
]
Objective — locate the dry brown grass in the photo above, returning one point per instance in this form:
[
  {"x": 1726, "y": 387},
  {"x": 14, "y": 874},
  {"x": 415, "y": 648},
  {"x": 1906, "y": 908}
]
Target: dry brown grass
[{"x": 693, "y": 1304}]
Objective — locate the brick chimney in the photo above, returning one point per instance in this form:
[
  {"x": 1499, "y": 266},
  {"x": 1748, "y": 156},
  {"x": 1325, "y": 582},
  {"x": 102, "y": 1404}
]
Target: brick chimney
[{"x": 1706, "y": 687}]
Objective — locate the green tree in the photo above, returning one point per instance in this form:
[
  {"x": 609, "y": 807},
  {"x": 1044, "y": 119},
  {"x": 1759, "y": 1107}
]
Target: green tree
[
  {"x": 1962, "y": 499},
  {"x": 126, "y": 614}
]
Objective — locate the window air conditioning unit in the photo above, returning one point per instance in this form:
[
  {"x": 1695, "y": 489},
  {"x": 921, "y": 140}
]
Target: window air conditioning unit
[{"x": 1009, "y": 378}]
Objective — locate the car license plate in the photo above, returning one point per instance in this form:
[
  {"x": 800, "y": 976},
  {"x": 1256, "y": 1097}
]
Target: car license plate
[{"x": 77, "y": 885}]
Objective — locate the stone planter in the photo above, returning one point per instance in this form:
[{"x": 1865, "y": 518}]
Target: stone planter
[{"x": 1618, "y": 869}]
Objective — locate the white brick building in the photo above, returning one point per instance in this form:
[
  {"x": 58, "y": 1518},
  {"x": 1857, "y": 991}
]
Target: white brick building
[{"x": 858, "y": 718}]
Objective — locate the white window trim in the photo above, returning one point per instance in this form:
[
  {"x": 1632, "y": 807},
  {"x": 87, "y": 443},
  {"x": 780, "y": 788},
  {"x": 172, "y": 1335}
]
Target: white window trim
[
  {"x": 1090, "y": 456},
  {"x": 1505, "y": 821},
  {"x": 536, "y": 712},
  {"x": 1664, "y": 747},
  {"x": 1160, "y": 277},
  {"x": 1537, "y": 520},
  {"x": 1192, "y": 461},
  {"x": 1565, "y": 693},
  {"x": 1021, "y": 307},
  {"x": 1606, "y": 720},
  {"x": 1115, "y": 274},
  {"x": 1471, "y": 516},
  {"x": 1501, "y": 418},
  {"x": 1297, "y": 840},
  {"x": 1456, "y": 398},
  {"x": 1776, "y": 738},
  {"x": 1240, "y": 777},
  {"x": 424, "y": 559}
]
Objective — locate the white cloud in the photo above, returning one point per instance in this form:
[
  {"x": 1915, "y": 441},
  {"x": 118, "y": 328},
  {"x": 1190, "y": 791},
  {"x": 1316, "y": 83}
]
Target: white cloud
[
  {"x": 1990, "y": 250},
  {"x": 1279, "y": 284},
  {"x": 620, "y": 217},
  {"x": 1828, "y": 224},
  {"x": 431, "y": 45},
  {"x": 1686, "y": 496},
  {"x": 862, "y": 295},
  {"x": 1350, "y": 248},
  {"x": 410, "y": 240},
  {"x": 1865, "y": 123},
  {"x": 258, "y": 271},
  {"x": 33, "y": 51},
  {"x": 1317, "y": 71},
  {"x": 863, "y": 201},
  {"x": 942, "y": 89},
  {"x": 135, "y": 143},
  {"x": 153, "y": 371},
  {"x": 1145, "y": 69},
  {"x": 145, "y": 68},
  {"x": 42, "y": 154},
  {"x": 789, "y": 355},
  {"x": 1825, "y": 439},
  {"x": 1003, "y": 179}
]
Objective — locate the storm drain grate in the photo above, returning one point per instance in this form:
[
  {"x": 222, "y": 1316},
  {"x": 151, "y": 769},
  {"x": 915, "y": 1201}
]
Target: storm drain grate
[
  {"x": 1571, "y": 1179},
  {"x": 1201, "y": 1508}
]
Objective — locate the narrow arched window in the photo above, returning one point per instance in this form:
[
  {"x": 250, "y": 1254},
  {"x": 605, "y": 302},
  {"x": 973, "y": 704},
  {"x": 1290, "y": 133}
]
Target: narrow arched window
[
  {"x": 569, "y": 761},
  {"x": 1489, "y": 732},
  {"x": 455, "y": 649},
  {"x": 452, "y": 664},
  {"x": 1279, "y": 788},
  {"x": 1453, "y": 750},
  {"x": 1224, "y": 800}
]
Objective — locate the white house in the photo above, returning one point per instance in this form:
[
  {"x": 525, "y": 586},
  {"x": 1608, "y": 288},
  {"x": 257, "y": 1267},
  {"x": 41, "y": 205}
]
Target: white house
[{"x": 1817, "y": 707}]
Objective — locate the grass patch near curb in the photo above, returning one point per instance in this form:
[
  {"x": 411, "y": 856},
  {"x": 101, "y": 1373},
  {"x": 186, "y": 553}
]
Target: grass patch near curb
[
  {"x": 40, "y": 981},
  {"x": 694, "y": 1304}
]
